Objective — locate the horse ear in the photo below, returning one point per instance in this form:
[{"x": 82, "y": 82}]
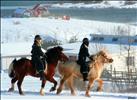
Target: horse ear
[
  {"x": 104, "y": 49},
  {"x": 60, "y": 48}
]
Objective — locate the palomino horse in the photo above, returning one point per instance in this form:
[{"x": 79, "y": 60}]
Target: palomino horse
[
  {"x": 70, "y": 70},
  {"x": 23, "y": 67}
]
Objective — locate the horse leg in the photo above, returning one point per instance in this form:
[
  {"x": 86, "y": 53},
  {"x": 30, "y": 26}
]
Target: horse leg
[
  {"x": 100, "y": 83},
  {"x": 42, "y": 87},
  {"x": 60, "y": 86},
  {"x": 20, "y": 80},
  {"x": 55, "y": 84},
  {"x": 90, "y": 85},
  {"x": 12, "y": 84},
  {"x": 62, "y": 83},
  {"x": 70, "y": 85}
]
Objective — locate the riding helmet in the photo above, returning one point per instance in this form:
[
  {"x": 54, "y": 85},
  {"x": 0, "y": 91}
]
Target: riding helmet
[
  {"x": 37, "y": 37},
  {"x": 86, "y": 41}
]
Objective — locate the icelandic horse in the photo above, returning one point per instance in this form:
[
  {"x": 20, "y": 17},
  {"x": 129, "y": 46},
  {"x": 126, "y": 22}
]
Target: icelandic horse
[
  {"x": 18, "y": 69},
  {"x": 70, "y": 70}
]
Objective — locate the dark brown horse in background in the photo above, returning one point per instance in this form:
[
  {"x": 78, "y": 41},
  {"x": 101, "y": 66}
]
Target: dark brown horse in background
[
  {"x": 23, "y": 67},
  {"x": 70, "y": 70}
]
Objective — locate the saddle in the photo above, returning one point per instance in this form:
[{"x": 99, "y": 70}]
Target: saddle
[{"x": 85, "y": 64}]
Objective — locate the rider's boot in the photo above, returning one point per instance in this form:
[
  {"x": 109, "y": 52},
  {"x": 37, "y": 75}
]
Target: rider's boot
[
  {"x": 85, "y": 79},
  {"x": 42, "y": 75}
]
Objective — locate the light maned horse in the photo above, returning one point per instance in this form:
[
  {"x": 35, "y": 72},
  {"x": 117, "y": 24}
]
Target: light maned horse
[{"x": 70, "y": 70}]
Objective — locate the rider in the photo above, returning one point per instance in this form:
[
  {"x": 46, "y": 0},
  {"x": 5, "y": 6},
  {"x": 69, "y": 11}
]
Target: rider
[
  {"x": 37, "y": 54},
  {"x": 83, "y": 53}
]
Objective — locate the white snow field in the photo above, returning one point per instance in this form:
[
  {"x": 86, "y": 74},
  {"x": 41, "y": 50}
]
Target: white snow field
[
  {"x": 24, "y": 29},
  {"x": 31, "y": 88}
]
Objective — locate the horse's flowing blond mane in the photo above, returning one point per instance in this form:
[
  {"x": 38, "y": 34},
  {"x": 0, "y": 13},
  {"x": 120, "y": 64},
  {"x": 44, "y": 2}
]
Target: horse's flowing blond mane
[{"x": 97, "y": 65}]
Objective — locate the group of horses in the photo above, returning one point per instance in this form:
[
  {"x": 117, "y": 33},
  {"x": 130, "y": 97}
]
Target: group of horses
[{"x": 68, "y": 69}]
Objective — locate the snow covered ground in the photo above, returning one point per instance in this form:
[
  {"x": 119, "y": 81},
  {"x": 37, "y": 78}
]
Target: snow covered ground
[
  {"x": 24, "y": 29},
  {"x": 31, "y": 87}
]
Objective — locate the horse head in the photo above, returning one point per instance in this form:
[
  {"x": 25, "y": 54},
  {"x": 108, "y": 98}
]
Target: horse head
[
  {"x": 55, "y": 54},
  {"x": 101, "y": 57},
  {"x": 62, "y": 56},
  {"x": 104, "y": 56}
]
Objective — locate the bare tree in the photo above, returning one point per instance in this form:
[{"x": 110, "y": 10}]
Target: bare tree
[
  {"x": 126, "y": 32},
  {"x": 119, "y": 31},
  {"x": 128, "y": 48}
]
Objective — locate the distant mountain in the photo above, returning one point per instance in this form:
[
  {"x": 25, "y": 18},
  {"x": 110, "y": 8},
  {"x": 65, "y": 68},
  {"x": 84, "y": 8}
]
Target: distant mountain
[{"x": 34, "y": 2}]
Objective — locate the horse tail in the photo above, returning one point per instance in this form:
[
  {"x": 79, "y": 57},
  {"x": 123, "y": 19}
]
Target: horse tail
[{"x": 11, "y": 72}]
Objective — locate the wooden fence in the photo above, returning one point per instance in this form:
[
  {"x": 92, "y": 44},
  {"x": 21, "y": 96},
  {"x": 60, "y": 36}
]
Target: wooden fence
[{"x": 122, "y": 79}]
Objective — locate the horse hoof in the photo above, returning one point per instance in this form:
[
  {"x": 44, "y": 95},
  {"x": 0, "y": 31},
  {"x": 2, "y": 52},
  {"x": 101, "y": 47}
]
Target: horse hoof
[
  {"x": 52, "y": 89},
  {"x": 58, "y": 91},
  {"x": 42, "y": 92},
  {"x": 11, "y": 90},
  {"x": 87, "y": 95},
  {"x": 73, "y": 94},
  {"x": 22, "y": 93},
  {"x": 99, "y": 89}
]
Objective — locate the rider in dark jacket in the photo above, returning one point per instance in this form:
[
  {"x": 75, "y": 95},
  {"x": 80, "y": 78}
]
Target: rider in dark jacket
[
  {"x": 83, "y": 54},
  {"x": 37, "y": 54}
]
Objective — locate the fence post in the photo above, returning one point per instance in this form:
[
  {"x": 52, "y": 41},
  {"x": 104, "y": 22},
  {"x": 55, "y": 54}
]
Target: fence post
[
  {"x": 115, "y": 73},
  {"x": 0, "y": 63},
  {"x": 111, "y": 70}
]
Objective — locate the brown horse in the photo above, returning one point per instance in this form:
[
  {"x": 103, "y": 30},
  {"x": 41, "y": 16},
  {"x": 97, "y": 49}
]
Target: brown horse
[
  {"x": 23, "y": 67},
  {"x": 70, "y": 70}
]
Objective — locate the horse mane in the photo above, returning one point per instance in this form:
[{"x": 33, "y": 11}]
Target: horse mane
[
  {"x": 55, "y": 48},
  {"x": 53, "y": 53},
  {"x": 95, "y": 57},
  {"x": 102, "y": 52}
]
